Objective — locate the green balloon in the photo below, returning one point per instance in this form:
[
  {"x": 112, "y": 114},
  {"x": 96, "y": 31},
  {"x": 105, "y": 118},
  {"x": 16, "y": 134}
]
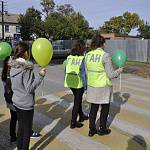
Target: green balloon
[
  {"x": 5, "y": 50},
  {"x": 119, "y": 58}
]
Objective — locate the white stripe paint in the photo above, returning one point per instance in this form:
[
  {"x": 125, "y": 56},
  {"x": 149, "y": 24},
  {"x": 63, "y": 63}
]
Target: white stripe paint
[
  {"x": 136, "y": 97},
  {"x": 139, "y": 79},
  {"x": 116, "y": 122},
  {"x": 65, "y": 104},
  {"x": 67, "y": 136},
  {"x": 130, "y": 128},
  {"x": 138, "y": 84},
  {"x": 135, "y": 88},
  {"x": 132, "y": 108},
  {"x": 140, "y": 97}
]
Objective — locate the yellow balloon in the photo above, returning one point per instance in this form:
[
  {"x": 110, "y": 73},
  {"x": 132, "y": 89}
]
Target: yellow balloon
[{"x": 42, "y": 51}]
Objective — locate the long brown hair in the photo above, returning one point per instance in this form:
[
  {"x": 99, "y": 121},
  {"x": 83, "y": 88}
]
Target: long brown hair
[
  {"x": 20, "y": 50},
  {"x": 97, "y": 42},
  {"x": 79, "y": 48},
  {"x": 5, "y": 69}
]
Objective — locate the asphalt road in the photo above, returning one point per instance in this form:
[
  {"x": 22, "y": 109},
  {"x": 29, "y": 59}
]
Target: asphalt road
[{"x": 129, "y": 116}]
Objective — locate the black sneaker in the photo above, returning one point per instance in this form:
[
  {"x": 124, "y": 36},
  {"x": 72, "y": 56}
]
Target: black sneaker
[
  {"x": 76, "y": 125},
  {"x": 104, "y": 131},
  {"x": 92, "y": 132},
  {"x": 83, "y": 117}
]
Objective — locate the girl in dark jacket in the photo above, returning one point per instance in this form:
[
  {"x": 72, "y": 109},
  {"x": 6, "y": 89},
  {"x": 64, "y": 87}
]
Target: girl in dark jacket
[
  {"x": 8, "y": 97},
  {"x": 74, "y": 81}
]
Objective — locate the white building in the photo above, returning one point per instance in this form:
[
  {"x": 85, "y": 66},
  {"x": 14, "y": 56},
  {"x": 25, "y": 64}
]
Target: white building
[{"x": 11, "y": 26}]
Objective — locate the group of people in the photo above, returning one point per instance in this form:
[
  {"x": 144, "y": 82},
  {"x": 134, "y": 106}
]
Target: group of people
[{"x": 91, "y": 71}]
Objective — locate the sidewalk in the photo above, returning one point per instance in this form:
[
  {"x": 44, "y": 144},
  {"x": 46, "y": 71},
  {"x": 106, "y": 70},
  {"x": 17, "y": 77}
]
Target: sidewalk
[{"x": 129, "y": 121}]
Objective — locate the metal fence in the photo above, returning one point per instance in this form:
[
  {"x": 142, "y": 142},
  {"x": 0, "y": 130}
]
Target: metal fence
[{"x": 136, "y": 50}]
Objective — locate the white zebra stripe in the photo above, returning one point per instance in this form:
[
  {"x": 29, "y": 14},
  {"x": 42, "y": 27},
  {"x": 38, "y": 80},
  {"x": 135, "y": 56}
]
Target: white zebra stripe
[
  {"x": 116, "y": 122},
  {"x": 66, "y": 135}
]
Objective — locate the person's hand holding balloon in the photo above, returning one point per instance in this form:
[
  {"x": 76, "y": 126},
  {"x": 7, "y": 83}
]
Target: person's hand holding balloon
[
  {"x": 42, "y": 72},
  {"x": 120, "y": 70},
  {"x": 119, "y": 58}
]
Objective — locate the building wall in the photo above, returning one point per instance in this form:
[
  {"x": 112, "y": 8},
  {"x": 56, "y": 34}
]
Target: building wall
[
  {"x": 126, "y": 38},
  {"x": 112, "y": 36},
  {"x": 109, "y": 36},
  {"x": 12, "y": 30}
]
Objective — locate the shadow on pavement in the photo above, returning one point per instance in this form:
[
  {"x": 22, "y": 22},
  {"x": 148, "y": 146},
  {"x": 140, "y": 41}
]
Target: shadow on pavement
[
  {"x": 85, "y": 104},
  {"x": 55, "y": 112},
  {"x": 1, "y": 115},
  {"x": 41, "y": 101},
  {"x": 115, "y": 107},
  {"x": 137, "y": 142},
  {"x": 5, "y": 143},
  {"x": 60, "y": 116}
]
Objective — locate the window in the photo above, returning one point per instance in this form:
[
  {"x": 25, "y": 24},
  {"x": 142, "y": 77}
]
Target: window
[
  {"x": 17, "y": 29},
  {"x": 6, "y": 28}
]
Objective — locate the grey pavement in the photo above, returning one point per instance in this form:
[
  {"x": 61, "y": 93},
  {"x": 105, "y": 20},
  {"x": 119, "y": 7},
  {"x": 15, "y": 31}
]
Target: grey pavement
[{"x": 53, "y": 110}]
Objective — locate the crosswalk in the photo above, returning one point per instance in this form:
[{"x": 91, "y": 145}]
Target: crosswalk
[{"x": 129, "y": 120}]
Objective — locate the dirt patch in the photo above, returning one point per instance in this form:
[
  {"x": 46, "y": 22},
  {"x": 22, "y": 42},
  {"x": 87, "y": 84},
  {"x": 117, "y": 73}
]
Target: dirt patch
[{"x": 143, "y": 71}]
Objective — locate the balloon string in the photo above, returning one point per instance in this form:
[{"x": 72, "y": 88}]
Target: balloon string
[
  {"x": 120, "y": 82},
  {"x": 42, "y": 88}
]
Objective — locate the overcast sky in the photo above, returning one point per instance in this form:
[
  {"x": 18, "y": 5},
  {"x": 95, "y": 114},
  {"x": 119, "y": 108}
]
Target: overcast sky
[{"x": 95, "y": 11}]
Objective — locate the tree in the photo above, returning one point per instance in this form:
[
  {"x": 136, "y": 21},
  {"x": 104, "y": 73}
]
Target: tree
[
  {"x": 122, "y": 25},
  {"x": 48, "y": 6},
  {"x": 78, "y": 23},
  {"x": 66, "y": 10},
  {"x": 114, "y": 25},
  {"x": 144, "y": 31},
  {"x": 62, "y": 27},
  {"x": 131, "y": 21},
  {"x": 58, "y": 27},
  {"x": 80, "y": 26},
  {"x": 30, "y": 24}
]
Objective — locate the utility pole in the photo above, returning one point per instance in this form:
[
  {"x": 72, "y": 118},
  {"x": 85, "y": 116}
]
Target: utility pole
[
  {"x": 2, "y": 20},
  {"x": 2, "y": 12}
]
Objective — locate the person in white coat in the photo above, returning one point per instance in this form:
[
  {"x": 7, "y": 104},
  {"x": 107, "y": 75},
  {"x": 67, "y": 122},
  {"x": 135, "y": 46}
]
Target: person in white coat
[{"x": 99, "y": 72}]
